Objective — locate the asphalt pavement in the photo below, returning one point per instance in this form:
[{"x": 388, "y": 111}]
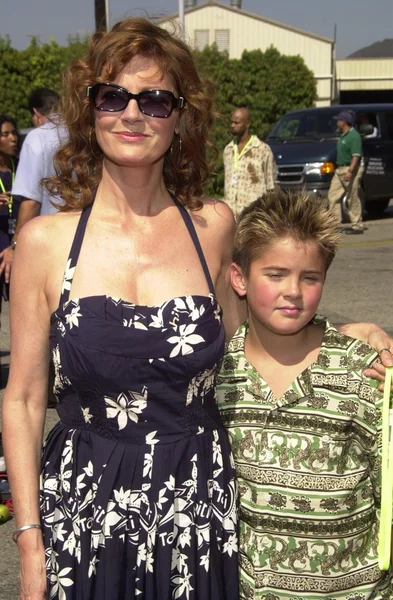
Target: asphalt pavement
[{"x": 358, "y": 288}]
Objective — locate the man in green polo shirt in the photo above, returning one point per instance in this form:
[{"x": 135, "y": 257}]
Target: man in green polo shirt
[{"x": 347, "y": 175}]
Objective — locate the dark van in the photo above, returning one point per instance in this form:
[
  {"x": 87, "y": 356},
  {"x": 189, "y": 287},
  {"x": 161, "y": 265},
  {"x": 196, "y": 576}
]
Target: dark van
[{"x": 304, "y": 144}]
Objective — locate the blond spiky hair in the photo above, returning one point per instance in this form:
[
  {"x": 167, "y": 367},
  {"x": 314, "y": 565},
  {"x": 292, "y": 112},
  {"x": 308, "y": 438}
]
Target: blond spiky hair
[{"x": 278, "y": 215}]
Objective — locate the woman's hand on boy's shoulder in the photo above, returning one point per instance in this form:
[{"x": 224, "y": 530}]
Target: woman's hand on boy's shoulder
[{"x": 378, "y": 339}]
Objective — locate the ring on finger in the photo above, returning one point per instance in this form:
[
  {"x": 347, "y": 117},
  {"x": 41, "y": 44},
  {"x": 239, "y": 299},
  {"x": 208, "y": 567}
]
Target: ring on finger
[{"x": 384, "y": 350}]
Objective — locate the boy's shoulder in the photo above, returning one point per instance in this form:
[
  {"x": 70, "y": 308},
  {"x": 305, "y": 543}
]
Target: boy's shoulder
[
  {"x": 236, "y": 343},
  {"x": 338, "y": 350},
  {"x": 359, "y": 354}
]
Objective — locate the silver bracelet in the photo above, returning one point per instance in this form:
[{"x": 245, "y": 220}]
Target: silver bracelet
[{"x": 20, "y": 530}]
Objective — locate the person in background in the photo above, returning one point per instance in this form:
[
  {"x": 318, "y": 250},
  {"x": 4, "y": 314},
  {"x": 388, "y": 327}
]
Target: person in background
[
  {"x": 347, "y": 176},
  {"x": 248, "y": 164},
  {"x": 304, "y": 421},
  {"x": 9, "y": 204},
  {"x": 35, "y": 163},
  {"x": 364, "y": 119}
]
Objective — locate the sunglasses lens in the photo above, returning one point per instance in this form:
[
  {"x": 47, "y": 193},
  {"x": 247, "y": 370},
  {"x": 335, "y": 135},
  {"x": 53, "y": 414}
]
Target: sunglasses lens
[
  {"x": 156, "y": 103},
  {"x": 108, "y": 98}
]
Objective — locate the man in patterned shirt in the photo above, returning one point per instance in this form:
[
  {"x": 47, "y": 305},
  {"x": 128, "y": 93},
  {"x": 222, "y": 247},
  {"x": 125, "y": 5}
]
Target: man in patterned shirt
[
  {"x": 248, "y": 163},
  {"x": 304, "y": 422}
]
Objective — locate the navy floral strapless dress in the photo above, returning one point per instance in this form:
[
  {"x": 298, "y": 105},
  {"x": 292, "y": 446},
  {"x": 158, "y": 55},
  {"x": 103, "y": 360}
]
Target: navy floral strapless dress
[{"x": 138, "y": 491}]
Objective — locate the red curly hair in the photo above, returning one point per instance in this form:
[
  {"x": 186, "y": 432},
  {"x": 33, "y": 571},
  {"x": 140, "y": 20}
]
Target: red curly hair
[{"x": 78, "y": 163}]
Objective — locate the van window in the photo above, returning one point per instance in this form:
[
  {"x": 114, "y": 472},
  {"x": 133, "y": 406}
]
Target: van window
[
  {"x": 369, "y": 118},
  {"x": 315, "y": 125},
  {"x": 287, "y": 128}
]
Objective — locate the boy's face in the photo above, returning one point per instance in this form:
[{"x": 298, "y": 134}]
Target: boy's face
[{"x": 284, "y": 285}]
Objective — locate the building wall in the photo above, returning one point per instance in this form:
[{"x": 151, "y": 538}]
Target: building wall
[
  {"x": 364, "y": 74},
  {"x": 241, "y": 32}
]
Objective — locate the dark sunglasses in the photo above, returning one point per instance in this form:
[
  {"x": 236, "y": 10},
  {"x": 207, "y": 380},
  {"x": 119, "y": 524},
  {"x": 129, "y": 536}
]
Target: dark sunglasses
[{"x": 153, "y": 103}]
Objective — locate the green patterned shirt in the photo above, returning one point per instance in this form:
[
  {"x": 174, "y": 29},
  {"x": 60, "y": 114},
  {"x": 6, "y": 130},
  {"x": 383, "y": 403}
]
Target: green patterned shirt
[{"x": 308, "y": 467}]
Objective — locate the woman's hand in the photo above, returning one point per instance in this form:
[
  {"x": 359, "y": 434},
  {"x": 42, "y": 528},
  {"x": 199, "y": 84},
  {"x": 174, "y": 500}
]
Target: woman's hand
[
  {"x": 4, "y": 198},
  {"x": 32, "y": 566},
  {"x": 377, "y": 370},
  {"x": 379, "y": 340}
]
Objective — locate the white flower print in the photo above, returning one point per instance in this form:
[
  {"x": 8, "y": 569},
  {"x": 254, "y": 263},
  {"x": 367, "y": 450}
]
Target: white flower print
[
  {"x": 185, "y": 538},
  {"x": 145, "y": 556},
  {"x": 151, "y": 438},
  {"x": 61, "y": 380},
  {"x": 148, "y": 465},
  {"x": 179, "y": 560},
  {"x": 194, "y": 311},
  {"x": 68, "y": 275},
  {"x": 134, "y": 322},
  {"x": 92, "y": 566},
  {"x": 124, "y": 408},
  {"x": 183, "y": 584},
  {"x": 59, "y": 580},
  {"x": 73, "y": 316},
  {"x": 142, "y": 552},
  {"x": 231, "y": 545},
  {"x": 217, "y": 313},
  {"x": 122, "y": 497},
  {"x": 205, "y": 561},
  {"x": 87, "y": 415},
  {"x": 185, "y": 340}
]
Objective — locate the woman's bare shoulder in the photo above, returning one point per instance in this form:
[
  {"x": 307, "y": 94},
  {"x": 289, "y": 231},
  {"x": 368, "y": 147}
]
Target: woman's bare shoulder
[
  {"x": 216, "y": 216},
  {"x": 48, "y": 231}
]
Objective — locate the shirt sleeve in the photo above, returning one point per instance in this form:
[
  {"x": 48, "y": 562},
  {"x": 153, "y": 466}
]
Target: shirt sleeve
[
  {"x": 270, "y": 170},
  {"x": 29, "y": 172},
  {"x": 374, "y": 418},
  {"x": 356, "y": 145}
]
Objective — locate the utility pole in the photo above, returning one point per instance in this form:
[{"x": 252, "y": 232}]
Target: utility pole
[
  {"x": 101, "y": 14},
  {"x": 181, "y": 19}
]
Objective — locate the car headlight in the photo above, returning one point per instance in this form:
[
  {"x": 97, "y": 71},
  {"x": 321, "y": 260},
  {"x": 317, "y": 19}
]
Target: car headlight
[{"x": 319, "y": 168}]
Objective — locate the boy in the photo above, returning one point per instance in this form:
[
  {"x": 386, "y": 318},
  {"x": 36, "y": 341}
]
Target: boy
[{"x": 304, "y": 422}]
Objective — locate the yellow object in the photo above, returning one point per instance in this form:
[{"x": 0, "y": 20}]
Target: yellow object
[
  {"x": 386, "y": 518},
  {"x": 327, "y": 168},
  {"x": 4, "y": 513}
]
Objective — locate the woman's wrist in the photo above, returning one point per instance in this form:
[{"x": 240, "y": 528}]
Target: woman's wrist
[
  {"x": 20, "y": 530},
  {"x": 30, "y": 541}
]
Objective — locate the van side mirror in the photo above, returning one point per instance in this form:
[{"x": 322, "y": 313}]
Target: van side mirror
[{"x": 366, "y": 129}]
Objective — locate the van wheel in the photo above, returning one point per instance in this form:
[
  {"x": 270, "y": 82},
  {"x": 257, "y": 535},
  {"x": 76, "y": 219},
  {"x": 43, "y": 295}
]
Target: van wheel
[{"x": 375, "y": 208}]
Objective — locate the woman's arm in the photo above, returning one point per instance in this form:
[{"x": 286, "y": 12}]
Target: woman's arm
[
  {"x": 25, "y": 398},
  {"x": 234, "y": 308}
]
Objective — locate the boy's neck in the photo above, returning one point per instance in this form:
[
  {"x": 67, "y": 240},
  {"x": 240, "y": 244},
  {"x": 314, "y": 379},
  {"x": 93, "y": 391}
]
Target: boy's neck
[
  {"x": 284, "y": 349},
  {"x": 280, "y": 359}
]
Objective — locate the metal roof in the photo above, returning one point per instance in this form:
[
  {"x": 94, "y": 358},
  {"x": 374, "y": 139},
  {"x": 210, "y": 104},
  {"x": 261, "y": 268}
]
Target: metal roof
[{"x": 245, "y": 13}]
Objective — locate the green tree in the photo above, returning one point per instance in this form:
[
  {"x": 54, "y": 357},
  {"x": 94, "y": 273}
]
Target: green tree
[
  {"x": 269, "y": 83},
  {"x": 39, "y": 65}
]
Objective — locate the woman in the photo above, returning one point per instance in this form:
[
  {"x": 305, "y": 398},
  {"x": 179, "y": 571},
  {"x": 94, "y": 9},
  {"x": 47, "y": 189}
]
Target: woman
[
  {"x": 8, "y": 204},
  {"x": 138, "y": 494}
]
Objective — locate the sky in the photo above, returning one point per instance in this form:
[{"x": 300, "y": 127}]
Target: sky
[{"x": 359, "y": 22}]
